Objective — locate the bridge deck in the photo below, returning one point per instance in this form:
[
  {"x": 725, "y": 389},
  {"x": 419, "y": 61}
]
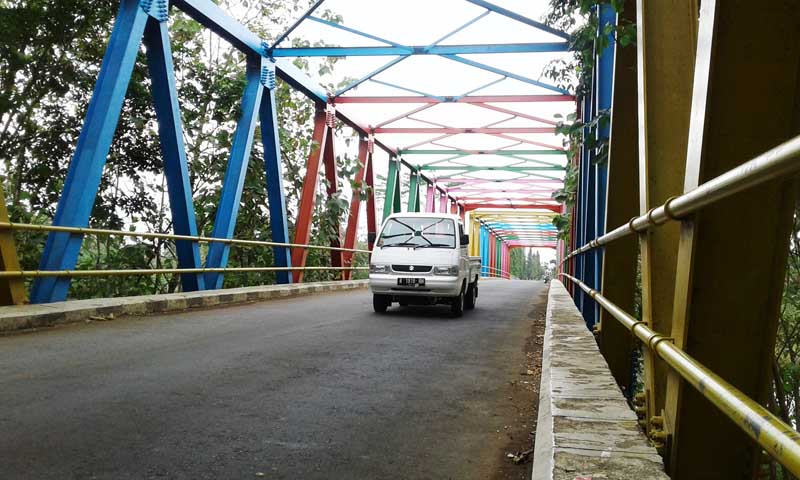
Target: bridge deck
[{"x": 312, "y": 387}]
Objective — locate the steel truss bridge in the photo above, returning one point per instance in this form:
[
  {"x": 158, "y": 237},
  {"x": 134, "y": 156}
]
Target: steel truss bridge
[{"x": 697, "y": 193}]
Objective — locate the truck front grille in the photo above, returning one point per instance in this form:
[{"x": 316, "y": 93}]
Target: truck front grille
[{"x": 412, "y": 268}]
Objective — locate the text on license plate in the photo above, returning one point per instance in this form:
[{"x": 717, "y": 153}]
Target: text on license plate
[{"x": 411, "y": 282}]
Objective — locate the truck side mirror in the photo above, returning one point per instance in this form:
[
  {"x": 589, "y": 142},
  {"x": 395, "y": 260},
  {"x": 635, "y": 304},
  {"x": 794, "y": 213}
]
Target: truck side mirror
[
  {"x": 371, "y": 236},
  {"x": 464, "y": 240}
]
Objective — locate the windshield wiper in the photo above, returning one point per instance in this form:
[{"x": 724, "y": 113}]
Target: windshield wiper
[
  {"x": 401, "y": 244},
  {"x": 436, "y": 245}
]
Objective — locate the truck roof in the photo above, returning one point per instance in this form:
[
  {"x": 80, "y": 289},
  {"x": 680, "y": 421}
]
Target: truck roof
[{"x": 426, "y": 214}]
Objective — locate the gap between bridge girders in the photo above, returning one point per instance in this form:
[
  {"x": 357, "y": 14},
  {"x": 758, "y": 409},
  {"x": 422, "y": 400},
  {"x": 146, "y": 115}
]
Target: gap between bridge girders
[{"x": 215, "y": 19}]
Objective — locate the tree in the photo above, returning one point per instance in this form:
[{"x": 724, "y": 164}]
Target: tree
[{"x": 48, "y": 67}]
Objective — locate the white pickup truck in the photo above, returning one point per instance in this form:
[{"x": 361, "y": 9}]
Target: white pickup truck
[{"x": 422, "y": 259}]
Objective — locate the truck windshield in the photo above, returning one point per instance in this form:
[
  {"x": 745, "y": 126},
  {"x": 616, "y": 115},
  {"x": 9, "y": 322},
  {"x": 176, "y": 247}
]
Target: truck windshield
[{"x": 418, "y": 232}]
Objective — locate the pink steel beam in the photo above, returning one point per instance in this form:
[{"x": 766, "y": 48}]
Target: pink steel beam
[
  {"x": 430, "y": 204},
  {"x": 465, "y": 192},
  {"x": 515, "y": 113},
  {"x": 523, "y": 140},
  {"x": 496, "y": 199},
  {"x": 443, "y": 204},
  {"x": 467, "y": 99},
  {"x": 520, "y": 181},
  {"x": 455, "y": 131},
  {"x": 405, "y": 115},
  {"x": 552, "y": 208}
]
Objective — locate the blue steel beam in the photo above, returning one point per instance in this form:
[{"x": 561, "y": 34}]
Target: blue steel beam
[
  {"x": 354, "y": 31},
  {"x": 278, "y": 218},
  {"x": 520, "y": 18},
  {"x": 505, "y": 73},
  {"x": 170, "y": 134},
  {"x": 228, "y": 207},
  {"x": 603, "y": 86},
  {"x": 420, "y": 50},
  {"x": 83, "y": 176},
  {"x": 297, "y": 23},
  {"x": 459, "y": 28},
  {"x": 369, "y": 76}
]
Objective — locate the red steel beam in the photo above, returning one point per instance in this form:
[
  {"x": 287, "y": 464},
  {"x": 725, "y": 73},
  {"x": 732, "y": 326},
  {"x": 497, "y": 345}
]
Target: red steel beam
[
  {"x": 308, "y": 197},
  {"x": 372, "y": 226},
  {"x": 355, "y": 207},
  {"x": 332, "y": 176},
  {"x": 467, "y": 99}
]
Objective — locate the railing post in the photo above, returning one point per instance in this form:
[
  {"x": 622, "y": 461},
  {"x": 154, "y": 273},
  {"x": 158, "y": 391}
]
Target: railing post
[
  {"x": 170, "y": 134},
  {"x": 230, "y": 198},
  {"x": 619, "y": 257},
  {"x": 732, "y": 254},
  {"x": 86, "y": 169},
  {"x": 665, "y": 52},
  {"x": 443, "y": 202},
  {"x": 305, "y": 210},
  {"x": 364, "y": 159}
]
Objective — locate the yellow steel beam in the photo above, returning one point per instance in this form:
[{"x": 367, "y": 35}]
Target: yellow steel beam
[
  {"x": 619, "y": 259},
  {"x": 778, "y": 439},
  {"x": 12, "y": 290},
  {"x": 666, "y": 33},
  {"x": 732, "y": 254}
]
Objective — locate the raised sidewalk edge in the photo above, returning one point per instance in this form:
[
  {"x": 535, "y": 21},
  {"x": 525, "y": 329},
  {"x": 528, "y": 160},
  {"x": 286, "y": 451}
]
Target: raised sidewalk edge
[
  {"x": 26, "y": 317},
  {"x": 585, "y": 427}
]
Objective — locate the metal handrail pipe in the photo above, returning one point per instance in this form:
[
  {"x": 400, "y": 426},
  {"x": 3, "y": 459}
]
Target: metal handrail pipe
[
  {"x": 780, "y": 440},
  {"x": 168, "y": 236},
  {"x": 768, "y": 166},
  {"x": 156, "y": 271}
]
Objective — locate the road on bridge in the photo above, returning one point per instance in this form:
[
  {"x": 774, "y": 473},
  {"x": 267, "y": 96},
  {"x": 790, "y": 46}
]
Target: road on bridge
[{"x": 303, "y": 388}]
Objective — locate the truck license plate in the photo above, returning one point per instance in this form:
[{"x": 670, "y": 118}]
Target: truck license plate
[{"x": 411, "y": 282}]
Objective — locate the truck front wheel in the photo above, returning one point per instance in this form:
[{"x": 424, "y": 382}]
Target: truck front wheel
[
  {"x": 457, "y": 307},
  {"x": 380, "y": 303}
]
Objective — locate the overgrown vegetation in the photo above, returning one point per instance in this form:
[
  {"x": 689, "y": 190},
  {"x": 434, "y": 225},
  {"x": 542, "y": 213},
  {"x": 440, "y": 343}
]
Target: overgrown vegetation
[
  {"x": 49, "y": 61},
  {"x": 579, "y": 17}
]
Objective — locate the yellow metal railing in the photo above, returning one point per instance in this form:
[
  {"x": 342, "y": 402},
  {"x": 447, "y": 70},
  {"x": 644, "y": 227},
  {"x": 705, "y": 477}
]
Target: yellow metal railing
[
  {"x": 167, "y": 236},
  {"x": 777, "y": 438}
]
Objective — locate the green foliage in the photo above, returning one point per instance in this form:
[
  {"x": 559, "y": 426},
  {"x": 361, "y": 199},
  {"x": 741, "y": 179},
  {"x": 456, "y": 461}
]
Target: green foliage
[
  {"x": 586, "y": 38},
  {"x": 526, "y": 264},
  {"x": 48, "y": 74},
  {"x": 786, "y": 399}
]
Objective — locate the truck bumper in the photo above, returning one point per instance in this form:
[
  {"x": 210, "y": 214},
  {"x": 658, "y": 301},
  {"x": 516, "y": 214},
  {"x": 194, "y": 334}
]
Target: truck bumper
[{"x": 435, "y": 286}]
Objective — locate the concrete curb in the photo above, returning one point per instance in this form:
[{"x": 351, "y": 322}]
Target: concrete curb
[
  {"x": 585, "y": 428},
  {"x": 28, "y": 317}
]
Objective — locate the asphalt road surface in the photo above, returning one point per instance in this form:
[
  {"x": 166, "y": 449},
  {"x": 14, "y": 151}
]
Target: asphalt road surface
[{"x": 303, "y": 388}]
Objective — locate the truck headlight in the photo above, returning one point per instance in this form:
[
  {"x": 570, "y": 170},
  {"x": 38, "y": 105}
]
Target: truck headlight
[
  {"x": 378, "y": 268},
  {"x": 448, "y": 270}
]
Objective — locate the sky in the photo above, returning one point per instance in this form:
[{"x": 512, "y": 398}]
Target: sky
[{"x": 424, "y": 22}]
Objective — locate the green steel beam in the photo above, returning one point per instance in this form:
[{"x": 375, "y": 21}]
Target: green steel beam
[
  {"x": 413, "y": 193},
  {"x": 392, "y": 188},
  {"x": 481, "y": 152}
]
